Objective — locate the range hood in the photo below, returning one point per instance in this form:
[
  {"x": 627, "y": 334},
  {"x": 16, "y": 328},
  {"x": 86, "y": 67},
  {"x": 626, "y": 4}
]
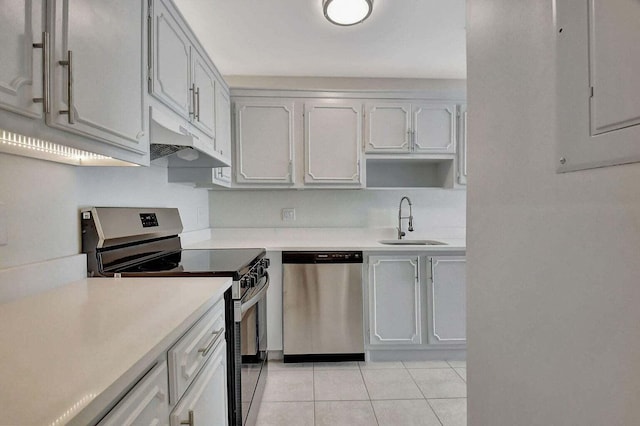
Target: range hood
[{"x": 171, "y": 139}]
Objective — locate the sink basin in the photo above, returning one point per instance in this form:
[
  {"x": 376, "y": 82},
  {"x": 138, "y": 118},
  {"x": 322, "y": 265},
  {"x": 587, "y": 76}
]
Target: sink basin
[{"x": 412, "y": 243}]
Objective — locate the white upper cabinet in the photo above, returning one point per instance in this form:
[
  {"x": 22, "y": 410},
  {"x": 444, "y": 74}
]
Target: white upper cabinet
[
  {"x": 223, "y": 123},
  {"x": 462, "y": 146},
  {"x": 434, "y": 128},
  {"x": 598, "y": 89},
  {"x": 448, "y": 300},
  {"x": 97, "y": 78},
  {"x": 264, "y": 141},
  {"x": 332, "y": 141},
  {"x": 171, "y": 59},
  {"x": 410, "y": 127},
  {"x": 21, "y": 67},
  {"x": 388, "y": 127},
  {"x": 203, "y": 88}
]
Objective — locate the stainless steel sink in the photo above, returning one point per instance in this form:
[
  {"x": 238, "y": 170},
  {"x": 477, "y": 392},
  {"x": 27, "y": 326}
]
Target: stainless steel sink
[{"x": 412, "y": 243}]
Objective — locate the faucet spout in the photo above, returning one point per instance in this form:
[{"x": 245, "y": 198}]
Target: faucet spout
[{"x": 401, "y": 233}]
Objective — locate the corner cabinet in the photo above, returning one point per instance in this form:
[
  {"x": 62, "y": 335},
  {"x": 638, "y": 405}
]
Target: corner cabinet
[
  {"x": 447, "y": 300},
  {"x": 395, "y": 301},
  {"x": 264, "y": 142},
  {"x": 332, "y": 137}
]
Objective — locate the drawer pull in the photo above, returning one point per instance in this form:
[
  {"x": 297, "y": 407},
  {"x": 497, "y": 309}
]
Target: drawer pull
[
  {"x": 204, "y": 351},
  {"x": 191, "y": 421}
]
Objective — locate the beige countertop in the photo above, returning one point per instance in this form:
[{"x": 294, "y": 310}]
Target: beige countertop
[
  {"x": 68, "y": 352},
  {"x": 365, "y": 239}
]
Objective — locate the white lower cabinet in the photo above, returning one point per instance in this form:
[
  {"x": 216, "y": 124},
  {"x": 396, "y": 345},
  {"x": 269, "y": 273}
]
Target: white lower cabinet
[
  {"x": 146, "y": 404},
  {"x": 416, "y": 301},
  {"x": 205, "y": 402},
  {"x": 187, "y": 386},
  {"x": 395, "y": 308},
  {"x": 447, "y": 300}
]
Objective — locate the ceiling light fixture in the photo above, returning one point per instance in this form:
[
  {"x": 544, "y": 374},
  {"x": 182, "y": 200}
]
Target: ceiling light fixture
[{"x": 347, "y": 12}]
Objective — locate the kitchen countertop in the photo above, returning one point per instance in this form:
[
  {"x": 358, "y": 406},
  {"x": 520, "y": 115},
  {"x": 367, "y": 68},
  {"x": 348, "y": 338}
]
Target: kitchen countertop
[
  {"x": 365, "y": 239},
  {"x": 69, "y": 352}
]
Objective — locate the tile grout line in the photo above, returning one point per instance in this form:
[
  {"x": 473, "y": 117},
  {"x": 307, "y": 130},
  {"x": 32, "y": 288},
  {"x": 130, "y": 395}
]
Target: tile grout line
[
  {"x": 434, "y": 412},
  {"x": 313, "y": 391},
  {"x": 425, "y": 398},
  {"x": 364, "y": 382}
]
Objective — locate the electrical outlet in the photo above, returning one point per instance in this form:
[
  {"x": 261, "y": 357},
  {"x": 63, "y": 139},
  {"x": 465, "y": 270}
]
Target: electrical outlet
[
  {"x": 288, "y": 214},
  {"x": 3, "y": 225}
]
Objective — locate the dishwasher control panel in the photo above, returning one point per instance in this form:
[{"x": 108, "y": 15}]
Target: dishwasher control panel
[{"x": 322, "y": 257}]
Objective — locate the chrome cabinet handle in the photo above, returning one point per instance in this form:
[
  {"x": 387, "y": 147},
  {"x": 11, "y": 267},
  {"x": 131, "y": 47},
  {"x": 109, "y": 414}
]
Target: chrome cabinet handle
[
  {"x": 204, "y": 351},
  {"x": 198, "y": 103},
  {"x": 45, "y": 72},
  {"x": 69, "y": 64},
  {"x": 191, "y": 421},
  {"x": 193, "y": 100}
]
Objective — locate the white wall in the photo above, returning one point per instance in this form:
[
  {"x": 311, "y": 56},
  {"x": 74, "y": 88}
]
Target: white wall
[
  {"x": 336, "y": 208},
  {"x": 553, "y": 269},
  {"x": 43, "y": 199}
]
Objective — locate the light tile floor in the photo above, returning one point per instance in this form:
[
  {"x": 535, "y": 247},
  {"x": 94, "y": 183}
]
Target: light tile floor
[{"x": 416, "y": 393}]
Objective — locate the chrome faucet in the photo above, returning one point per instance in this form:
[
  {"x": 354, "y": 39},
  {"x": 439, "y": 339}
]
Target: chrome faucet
[{"x": 401, "y": 234}]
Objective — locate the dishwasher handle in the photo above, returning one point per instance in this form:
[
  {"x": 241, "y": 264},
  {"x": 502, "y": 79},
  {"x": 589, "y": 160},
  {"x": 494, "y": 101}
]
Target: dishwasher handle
[{"x": 319, "y": 257}]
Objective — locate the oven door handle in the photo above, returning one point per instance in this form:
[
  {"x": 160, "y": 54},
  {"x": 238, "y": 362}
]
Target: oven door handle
[{"x": 259, "y": 295}]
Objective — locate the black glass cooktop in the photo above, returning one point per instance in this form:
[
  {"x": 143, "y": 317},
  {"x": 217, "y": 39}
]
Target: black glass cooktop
[{"x": 208, "y": 263}]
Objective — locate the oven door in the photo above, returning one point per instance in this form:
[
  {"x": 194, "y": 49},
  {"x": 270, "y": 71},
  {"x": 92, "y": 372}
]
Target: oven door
[{"x": 250, "y": 355}]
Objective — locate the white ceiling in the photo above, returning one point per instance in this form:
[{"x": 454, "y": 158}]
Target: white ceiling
[{"x": 401, "y": 38}]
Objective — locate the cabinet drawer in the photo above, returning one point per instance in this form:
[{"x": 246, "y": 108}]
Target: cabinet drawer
[
  {"x": 205, "y": 403},
  {"x": 188, "y": 356},
  {"x": 145, "y": 404}
]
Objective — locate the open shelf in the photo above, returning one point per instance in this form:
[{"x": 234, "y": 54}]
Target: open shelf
[{"x": 410, "y": 173}]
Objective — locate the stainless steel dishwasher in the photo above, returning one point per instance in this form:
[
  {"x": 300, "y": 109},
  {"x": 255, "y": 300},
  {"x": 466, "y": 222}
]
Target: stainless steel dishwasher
[{"x": 322, "y": 306}]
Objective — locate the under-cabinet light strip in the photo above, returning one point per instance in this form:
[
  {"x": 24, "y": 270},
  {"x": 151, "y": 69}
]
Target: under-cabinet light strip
[{"x": 14, "y": 139}]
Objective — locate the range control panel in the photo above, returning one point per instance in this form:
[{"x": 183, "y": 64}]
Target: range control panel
[{"x": 148, "y": 220}]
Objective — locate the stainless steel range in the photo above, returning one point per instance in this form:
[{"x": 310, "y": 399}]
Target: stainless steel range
[{"x": 144, "y": 242}]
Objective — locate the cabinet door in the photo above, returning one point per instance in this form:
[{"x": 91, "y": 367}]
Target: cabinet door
[
  {"x": 97, "y": 71},
  {"x": 448, "y": 300},
  {"x": 204, "y": 83},
  {"x": 222, "y": 176},
  {"x": 434, "y": 128},
  {"x": 264, "y": 142},
  {"x": 394, "y": 300},
  {"x": 387, "y": 127},
  {"x": 21, "y": 68},
  {"x": 171, "y": 60},
  {"x": 146, "y": 404},
  {"x": 332, "y": 138},
  {"x": 462, "y": 147},
  {"x": 223, "y": 125},
  {"x": 205, "y": 402}
]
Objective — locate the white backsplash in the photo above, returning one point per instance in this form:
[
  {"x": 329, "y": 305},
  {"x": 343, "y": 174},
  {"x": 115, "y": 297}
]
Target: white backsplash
[{"x": 432, "y": 208}]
